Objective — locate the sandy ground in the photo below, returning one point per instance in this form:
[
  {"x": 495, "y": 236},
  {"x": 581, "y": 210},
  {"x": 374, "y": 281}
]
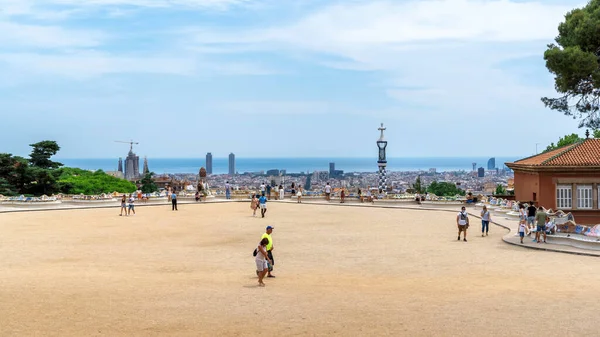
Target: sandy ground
[{"x": 345, "y": 271}]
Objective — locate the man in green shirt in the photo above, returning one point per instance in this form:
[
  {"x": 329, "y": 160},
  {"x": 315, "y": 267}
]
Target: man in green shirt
[
  {"x": 540, "y": 217},
  {"x": 269, "y": 249}
]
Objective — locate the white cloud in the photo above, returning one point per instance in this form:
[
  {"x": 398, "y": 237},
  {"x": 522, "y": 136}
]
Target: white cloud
[{"x": 15, "y": 35}]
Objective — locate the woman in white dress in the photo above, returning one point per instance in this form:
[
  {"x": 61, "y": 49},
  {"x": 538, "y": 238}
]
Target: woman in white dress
[
  {"x": 299, "y": 195},
  {"x": 281, "y": 192}
]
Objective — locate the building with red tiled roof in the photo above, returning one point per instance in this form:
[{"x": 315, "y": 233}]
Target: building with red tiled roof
[{"x": 567, "y": 178}]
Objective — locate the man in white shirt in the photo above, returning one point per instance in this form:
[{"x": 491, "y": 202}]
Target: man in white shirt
[
  {"x": 327, "y": 192},
  {"x": 462, "y": 221},
  {"x": 262, "y": 189}
]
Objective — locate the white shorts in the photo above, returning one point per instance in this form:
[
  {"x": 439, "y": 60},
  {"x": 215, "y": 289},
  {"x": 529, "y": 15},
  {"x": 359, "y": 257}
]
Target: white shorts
[
  {"x": 261, "y": 265},
  {"x": 299, "y": 194},
  {"x": 263, "y": 206}
]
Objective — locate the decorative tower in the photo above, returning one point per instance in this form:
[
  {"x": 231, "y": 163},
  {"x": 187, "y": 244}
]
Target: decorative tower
[
  {"x": 146, "y": 170},
  {"x": 382, "y": 162}
]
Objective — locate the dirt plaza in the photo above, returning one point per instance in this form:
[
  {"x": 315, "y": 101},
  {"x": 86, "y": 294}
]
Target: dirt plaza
[{"x": 343, "y": 271}]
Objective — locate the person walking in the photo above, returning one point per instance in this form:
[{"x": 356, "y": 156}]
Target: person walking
[
  {"x": 540, "y": 218},
  {"x": 227, "y": 190},
  {"x": 462, "y": 221},
  {"x": 269, "y": 191},
  {"x": 281, "y": 192},
  {"x": 262, "y": 260},
  {"x": 485, "y": 220},
  {"x": 131, "y": 205},
  {"x": 174, "y": 201},
  {"x": 254, "y": 204},
  {"x": 123, "y": 205},
  {"x": 267, "y": 235},
  {"x": 262, "y": 201}
]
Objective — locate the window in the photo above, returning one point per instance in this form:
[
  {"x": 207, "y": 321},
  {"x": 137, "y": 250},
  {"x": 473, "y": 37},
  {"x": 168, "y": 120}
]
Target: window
[
  {"x": 584, "y": 196},
  {"x": 563, "y": 196}
]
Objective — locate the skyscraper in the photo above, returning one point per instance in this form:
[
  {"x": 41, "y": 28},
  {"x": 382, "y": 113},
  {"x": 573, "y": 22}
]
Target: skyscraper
[
  {"x": 208, "y": 163},
  {"x": 481, "y": 172},
  {"x": 120, "y": 169},
  {"x": 231, "y": 164},
  {"x": 331, "y": 168},
  {"x": 492, "y": 164}
]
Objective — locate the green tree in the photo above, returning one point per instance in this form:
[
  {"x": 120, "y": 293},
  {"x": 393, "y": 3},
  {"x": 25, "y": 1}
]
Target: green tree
[
  {"x": 500, "y": 190},
  {"x": 148, "y": 185},
  {"x": 15, "y": 173},
  {"x": 444, "y": 189},
  {"x": 574, "y": 62},
  {"x": 41, "y": 154},
  {"x": 77, "y": 181},
  {"x": 564, "y": 141},
  {"x": 418, "y": 187}
]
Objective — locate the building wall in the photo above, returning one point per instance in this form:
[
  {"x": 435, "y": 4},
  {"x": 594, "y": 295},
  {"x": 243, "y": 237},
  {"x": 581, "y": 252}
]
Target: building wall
[
  {"x": 544, "y": 185},
  {"x": 526, "y": 184}
]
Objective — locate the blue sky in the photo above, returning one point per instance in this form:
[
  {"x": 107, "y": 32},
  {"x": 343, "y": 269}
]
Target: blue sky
[{"x": 272, "y": 78}]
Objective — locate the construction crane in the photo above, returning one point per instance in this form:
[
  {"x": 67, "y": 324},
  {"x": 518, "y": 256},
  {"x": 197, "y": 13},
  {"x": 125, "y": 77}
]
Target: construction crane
[{"x": 130, "y": 144}]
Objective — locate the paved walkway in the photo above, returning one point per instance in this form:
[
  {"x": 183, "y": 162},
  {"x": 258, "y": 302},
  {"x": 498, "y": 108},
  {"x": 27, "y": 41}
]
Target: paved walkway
[{"x": 498, "y": 219}]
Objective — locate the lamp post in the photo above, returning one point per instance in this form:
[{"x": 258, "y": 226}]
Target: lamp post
[{"x": 382, "y": 162}]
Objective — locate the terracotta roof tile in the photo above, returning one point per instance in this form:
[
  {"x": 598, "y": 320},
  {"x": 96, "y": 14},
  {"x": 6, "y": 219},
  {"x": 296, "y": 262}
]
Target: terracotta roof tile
[{"x": 584, "y": 153}]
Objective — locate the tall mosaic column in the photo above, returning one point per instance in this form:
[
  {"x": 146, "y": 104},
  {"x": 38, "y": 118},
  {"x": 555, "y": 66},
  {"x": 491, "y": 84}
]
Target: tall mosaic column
[{"x": 382, "y": 162}]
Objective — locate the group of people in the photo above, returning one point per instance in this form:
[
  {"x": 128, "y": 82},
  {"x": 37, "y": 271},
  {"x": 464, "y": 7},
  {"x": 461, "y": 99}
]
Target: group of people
[
  {"x": 263, "y": 256},
  {"x": 259, "y": 202},
  {"x": 127, "y": 205},
  {"x": 534, "y": 220},
  {"x": 462, "y": 222},
  {"x": 531, "y": 220}
]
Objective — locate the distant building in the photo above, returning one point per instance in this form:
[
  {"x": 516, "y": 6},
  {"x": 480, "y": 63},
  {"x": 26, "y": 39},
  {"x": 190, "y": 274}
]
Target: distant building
[
  {"x": 209, "y": 163},
  {"x": 481, "y": 172},
  {"x": 146, "y": 170},
  {"x": 132, "y": 166},
  {"x": 273, "y": 172},
  {"x": 474, "y": 166},
  {"x": 432, "y": 170},
  {"x": 491, "y": 164},
  {"x": 331, "y": 168},
  {"x": 120, "y": 169},
  {"x": 231, "y": 164}
]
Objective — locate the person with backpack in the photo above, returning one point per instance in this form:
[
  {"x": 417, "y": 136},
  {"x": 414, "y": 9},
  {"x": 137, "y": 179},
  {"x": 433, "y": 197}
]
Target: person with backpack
[
  {"x": 462, "y": 221},
  {"x": 262, "y": 260}
]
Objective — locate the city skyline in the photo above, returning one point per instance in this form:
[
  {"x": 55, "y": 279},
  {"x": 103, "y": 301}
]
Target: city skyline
[{"x": 447, "y": 76}]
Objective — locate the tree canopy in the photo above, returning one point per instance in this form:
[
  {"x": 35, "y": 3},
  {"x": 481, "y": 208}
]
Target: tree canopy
[
  {"x": 78, "y": 181},
  {"x": 40, "y": 175},
  {"x": 444, "y": 189},
  {"x": 574, "y": 61},
  {"x": 148, "y": 185},
  {"x": 568, "y": 140},
  {"x": 418, "y": 186}
]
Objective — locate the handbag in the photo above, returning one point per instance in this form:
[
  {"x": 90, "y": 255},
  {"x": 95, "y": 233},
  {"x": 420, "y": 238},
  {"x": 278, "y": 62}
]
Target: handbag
[{"x": 255, "y": 252}]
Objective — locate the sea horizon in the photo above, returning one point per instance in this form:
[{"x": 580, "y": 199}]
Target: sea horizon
[{"x": 293, "y": 165}]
